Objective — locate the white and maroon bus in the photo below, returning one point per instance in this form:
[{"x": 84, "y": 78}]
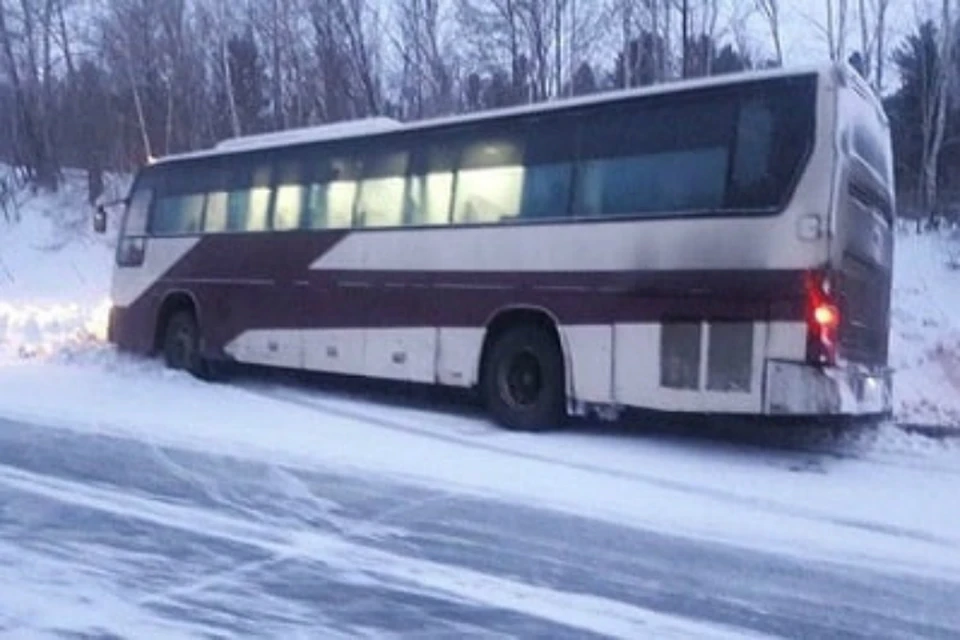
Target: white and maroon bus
[{"x": 713, "y": 246}]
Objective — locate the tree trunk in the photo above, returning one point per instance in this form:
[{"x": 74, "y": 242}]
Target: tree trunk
[
  {"x": 558, "y": 46},
  {"x": 277, "y": 81},
  {"x": 881, "y": 40},
  {"x": 866, "y": 43},
  {"x": 831, "y": 36},
  {"x": 67, "y": 54},
  {"x": 939, "y": 119},
  {"x": 138, "y": 106},
  {"x": 685, "y": 30}
]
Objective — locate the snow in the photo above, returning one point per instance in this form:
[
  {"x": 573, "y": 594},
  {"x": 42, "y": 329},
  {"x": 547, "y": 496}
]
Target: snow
[
  {"x": 882, "y": 503},
  {"x": 320, "y": 133},
  {"x": 925, "y": 341},
  {"x": 54, "y": 272},
  {"x": 885, "y": 511}
]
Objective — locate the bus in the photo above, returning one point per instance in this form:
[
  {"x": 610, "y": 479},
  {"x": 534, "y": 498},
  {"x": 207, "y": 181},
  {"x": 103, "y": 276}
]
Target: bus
[{"x": 713, "y": 246}]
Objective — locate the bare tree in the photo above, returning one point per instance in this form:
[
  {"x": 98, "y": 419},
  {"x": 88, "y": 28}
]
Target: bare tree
[
  {"x": 359, "y": 22},
  {"x": 426, "y": 75},
  {"x": 771, "y": 13},
  {"x": 880, "y": 8},
  {"x": 494, "y": 30},
  {"x": 709, "y": 20},
  {"x": 26, "y": 40},
  {"x": 222, "y": 25},
  {"x": 685, "y": 37},
  {"x": 935, "y": 114},
  {"x": 872, "y": 16},
  {"x": 645, "y": 39},
  {"x": 347, "y": 57},
  {"x": 836, "y": 28}
]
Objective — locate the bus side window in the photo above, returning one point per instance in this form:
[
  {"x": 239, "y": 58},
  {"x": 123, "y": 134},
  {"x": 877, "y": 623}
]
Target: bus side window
[
  {"x": 428, "y": 198},
  {"x": 331, "y": 191},
  {"x": 430, "y": 188},
  {"x": 774, "y": 135},
  {"x": 178, "y": 208},
  {"x": 489, "y": 182},
  {"x": 135, "y": 220},
  {"x": 638, "y": 161},
  {"x": 548, "y": 167},
  {"x": 546, "y": 191},
  {"x": 177, "y": 215},
  {"x": 249, "y": 200},
  {"x": 752, "y": 184},
  {"x": 380, "y": 197},
  {"x": 288, "y": 201},
  {"x": 238, "y": 199}
]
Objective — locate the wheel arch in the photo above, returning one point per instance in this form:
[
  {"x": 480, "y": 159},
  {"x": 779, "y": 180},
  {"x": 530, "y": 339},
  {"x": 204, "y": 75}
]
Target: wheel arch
[{"x": 507, "y": 318}]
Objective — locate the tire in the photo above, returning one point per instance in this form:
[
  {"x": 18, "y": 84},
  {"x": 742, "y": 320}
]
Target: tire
[
  {"x": 523, "y": 382},
  {"x": 181, "y": 346}
]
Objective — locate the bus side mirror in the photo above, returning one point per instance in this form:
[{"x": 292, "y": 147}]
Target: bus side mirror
[{"x": 100, "y": 220}]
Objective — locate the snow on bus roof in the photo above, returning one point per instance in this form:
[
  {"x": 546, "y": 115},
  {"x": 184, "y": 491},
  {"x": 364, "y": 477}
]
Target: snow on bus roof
[
  {"x": 320, "y": 133},
  {"x": 377, "y": 125}
]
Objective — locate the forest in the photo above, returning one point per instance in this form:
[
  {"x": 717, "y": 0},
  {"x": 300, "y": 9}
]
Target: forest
[{"x": 103, "y": 85}]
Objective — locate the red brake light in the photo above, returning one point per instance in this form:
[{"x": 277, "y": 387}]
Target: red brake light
[
  {"x": 823, "y": 322},
  {"x": 827, "y": 315}
]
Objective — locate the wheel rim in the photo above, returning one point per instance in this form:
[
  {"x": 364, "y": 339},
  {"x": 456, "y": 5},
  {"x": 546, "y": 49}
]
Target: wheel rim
[{"x": 521, "y": 380}]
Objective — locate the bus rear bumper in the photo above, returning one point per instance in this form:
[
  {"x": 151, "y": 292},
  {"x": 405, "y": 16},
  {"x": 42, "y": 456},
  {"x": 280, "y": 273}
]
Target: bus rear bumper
[{"x": 798, "y": 389}]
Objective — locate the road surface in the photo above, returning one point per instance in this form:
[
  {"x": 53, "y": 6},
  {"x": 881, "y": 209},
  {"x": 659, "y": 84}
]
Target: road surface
[{"x": 115, "y": 537}]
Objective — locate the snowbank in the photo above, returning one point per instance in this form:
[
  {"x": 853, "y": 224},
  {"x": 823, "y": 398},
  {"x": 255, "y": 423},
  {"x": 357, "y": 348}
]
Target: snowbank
[
  {"x": 925, "y": 337},
  {"x": 54, "y": 271}
]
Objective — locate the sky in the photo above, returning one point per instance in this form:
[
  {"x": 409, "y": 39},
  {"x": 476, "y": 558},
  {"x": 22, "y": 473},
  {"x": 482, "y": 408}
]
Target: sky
[
  {"x": 804, "y": 32},
  {"x": 803, "y": 29}
]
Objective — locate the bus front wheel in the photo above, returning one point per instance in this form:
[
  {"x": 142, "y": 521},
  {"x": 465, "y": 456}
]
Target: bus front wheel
[
  {"x": 523, "y": 380},
  {"x": 181, "y": 345}
]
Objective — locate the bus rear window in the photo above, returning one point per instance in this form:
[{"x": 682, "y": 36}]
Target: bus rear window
[{"x": 870, "y": 146}]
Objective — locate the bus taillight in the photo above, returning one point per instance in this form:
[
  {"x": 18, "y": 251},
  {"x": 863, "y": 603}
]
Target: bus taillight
[
  {"x": 823, "y": 322},
  {"x": 826, "y": 316}
]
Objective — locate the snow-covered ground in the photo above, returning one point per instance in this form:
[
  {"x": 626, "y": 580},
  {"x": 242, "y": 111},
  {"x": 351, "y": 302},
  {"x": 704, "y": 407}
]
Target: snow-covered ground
[
  {"x": 54, "y": 271},
  {"x": 925, "y": 341},
  {"x": 887, "y": 501}
]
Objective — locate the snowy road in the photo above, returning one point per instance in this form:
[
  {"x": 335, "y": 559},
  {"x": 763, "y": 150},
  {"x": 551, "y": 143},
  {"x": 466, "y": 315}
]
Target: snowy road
[{"x": 109, "y": 535}]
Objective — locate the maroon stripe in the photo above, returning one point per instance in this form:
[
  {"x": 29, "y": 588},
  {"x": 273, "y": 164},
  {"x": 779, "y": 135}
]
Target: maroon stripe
[
  {"x": 251, "y": 256},
  {"x": 243, "y": 283}
]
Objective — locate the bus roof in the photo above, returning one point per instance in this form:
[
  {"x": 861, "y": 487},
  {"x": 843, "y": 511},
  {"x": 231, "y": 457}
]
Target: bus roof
[
  {"x": 360, "y": 128},
  {"x": 334, "y": 131}
]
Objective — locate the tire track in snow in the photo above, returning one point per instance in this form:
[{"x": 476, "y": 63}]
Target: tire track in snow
[
  {"x": 769, "y": 506},
  {"x": 849, "y": 446},
  {"x": 588, "y": 613}
]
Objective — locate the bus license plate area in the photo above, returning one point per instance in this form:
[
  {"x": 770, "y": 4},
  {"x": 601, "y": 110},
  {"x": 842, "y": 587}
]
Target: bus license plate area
[{"x": 799, "y": 389}]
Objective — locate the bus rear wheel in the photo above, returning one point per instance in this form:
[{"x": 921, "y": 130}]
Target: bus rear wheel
[
  {"x": 523, "y": 380},
  {"x": 181, "y": 345}
]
